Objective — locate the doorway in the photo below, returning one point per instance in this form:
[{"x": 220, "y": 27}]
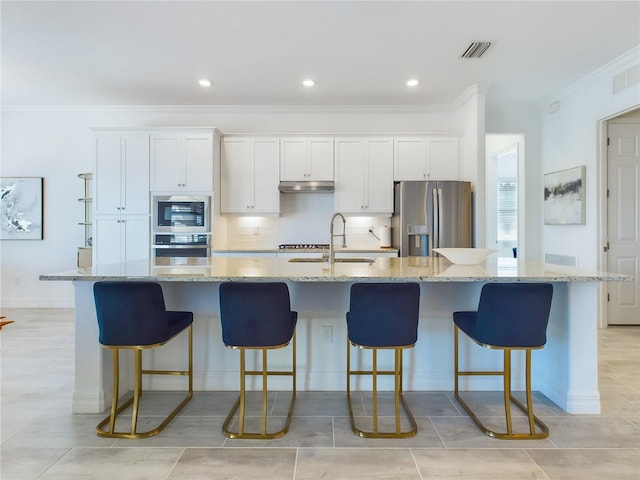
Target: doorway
[
  {"x": 505, "y": 194},
  {"x": 622, "y": 244}
]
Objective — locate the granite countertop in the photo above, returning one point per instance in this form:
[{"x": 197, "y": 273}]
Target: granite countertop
[
  {"x": 338, "y": 250},
  {"x": 391, "y": 269}
]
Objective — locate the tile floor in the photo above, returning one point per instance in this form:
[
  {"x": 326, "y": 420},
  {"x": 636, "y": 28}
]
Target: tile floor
[{"x": 42, "y": 440}]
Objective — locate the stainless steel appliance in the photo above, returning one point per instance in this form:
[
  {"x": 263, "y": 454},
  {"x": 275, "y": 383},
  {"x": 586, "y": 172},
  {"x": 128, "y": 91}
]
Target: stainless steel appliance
[
  {"x": 181, "y": 214},
  {"x": 181, "y": 226},
  {"x": 429, "y": 215},
  {"x": 182, "y": 245}
]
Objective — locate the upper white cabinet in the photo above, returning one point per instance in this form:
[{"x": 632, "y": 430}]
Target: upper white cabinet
[
  {"x": 182, "y": 161},
  {"x": 426, "y": 158},
  {"x": 249, "y": 175},
  {"x": 306, "y": 158},
  {"x": 121, "y": 174},
  {"x": 364, "y": 175}
]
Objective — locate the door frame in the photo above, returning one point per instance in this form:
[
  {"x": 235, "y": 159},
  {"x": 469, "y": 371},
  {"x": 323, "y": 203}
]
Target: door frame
[
  {"x": 519, "y": 144},
  {"x": 603, "y": 182}
]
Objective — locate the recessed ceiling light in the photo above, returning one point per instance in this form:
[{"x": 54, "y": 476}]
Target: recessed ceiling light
[
  {"x": 308, "y": 83},
  {"x": 412, "y": 82},
  {"x": 204, "y": 82}
]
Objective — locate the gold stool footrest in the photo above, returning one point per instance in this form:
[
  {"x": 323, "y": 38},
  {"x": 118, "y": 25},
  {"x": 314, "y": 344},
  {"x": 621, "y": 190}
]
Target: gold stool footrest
[
  {"x": 544, "y": 433},
  {"x": 377, "y": 434}
]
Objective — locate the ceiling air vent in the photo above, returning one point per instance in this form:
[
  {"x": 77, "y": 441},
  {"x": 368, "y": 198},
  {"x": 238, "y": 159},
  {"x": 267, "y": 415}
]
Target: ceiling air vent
[{"x": 475, "y": 50}]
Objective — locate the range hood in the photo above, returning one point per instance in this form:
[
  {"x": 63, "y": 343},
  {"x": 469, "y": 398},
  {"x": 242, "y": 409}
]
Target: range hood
[{"x": 306, "y": 187}]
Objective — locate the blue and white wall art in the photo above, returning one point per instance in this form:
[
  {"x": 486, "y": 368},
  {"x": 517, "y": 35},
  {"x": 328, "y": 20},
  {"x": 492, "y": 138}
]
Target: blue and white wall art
[
  {"x": 20, "y": 208},
  {"x": 564, "y": 197}
]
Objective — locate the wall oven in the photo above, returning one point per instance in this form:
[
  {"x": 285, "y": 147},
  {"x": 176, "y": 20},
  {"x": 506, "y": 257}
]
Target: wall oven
[
  {"x": 181, "y": 226},
  {"x": 181, "y": 213},
  {"x": 182, "y": 245}
]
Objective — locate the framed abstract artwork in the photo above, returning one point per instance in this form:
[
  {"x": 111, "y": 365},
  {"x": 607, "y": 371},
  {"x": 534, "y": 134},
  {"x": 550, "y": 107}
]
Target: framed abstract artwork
[
  {"x": 21, "y": 208},
  {"x": 564, "y": 197}
]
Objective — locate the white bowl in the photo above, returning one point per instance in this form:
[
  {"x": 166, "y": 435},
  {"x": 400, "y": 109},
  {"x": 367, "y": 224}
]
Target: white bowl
[{"x": 465, "y": 256}]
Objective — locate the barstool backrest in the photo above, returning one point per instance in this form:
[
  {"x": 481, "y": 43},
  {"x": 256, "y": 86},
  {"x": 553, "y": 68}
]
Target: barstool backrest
[
  {"x": 384, "y": 314},
  {"x": 514, "y": 314},
  {"x": 256, "y": 314},
  {"x": 130, "y": 313}
]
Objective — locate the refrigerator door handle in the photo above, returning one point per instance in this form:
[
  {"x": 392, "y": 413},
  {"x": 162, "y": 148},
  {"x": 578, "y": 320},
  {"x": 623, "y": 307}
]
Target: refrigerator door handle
[
  {"x": 436, "y": 220},
  {"x": 440, "y": 216}
]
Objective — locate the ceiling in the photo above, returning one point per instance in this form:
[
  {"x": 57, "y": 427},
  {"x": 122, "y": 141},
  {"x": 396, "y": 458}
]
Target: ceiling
[{"x": 80, "y": 53}]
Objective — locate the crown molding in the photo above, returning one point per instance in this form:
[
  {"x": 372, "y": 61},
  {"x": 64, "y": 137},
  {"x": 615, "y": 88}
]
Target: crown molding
[
  {"x": 232, "y": 108},
  {"x": 614, "y": 66}
]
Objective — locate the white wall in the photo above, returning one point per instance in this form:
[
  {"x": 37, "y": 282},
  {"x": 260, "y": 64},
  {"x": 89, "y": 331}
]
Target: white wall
[
  {"x": 56, "y": 144},
  {"x": 572, "y": 137}
]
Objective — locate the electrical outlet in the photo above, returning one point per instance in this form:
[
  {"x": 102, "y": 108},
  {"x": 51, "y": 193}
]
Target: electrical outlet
[{"x": 327, "y": 334}]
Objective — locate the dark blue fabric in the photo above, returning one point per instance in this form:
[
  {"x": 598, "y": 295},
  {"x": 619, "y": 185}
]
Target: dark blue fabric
[
  {"x": 256, "y": 314},
  {"x": 384, "y": 314},
  {"x": 133, "y": 313},
  {"x": 509, "y": 315}
]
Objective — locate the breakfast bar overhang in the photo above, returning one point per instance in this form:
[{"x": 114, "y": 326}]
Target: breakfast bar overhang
[{"x": 565, "y": 370}]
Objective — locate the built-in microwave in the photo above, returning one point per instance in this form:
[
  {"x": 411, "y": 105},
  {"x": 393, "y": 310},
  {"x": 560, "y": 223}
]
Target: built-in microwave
[{"x": 181, "y": 214}]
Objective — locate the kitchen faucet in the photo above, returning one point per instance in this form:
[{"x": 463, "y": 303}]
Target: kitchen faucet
[{"x": 332, "y": 253}]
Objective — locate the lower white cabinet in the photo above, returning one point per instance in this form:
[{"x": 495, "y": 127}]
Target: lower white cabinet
[
  {"x": 364, "y": 175},
  {"x": 120, "y": 239}
]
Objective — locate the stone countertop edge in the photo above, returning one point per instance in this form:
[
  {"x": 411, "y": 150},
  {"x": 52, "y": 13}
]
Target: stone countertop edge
[
  {"x": 390, "y": 269},
  {"x": 306, "y": 250}
]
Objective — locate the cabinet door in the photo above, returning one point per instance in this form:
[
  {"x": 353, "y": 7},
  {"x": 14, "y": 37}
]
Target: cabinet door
[
  {"x": 320, "y": 162},
  {"x": 443, "y": 156},
  {"x": 266, "y": 154},
  {"x": 136, "y": 238},
  {"x": 107, "y": 241},
  {"x": 349, "y": 181},
  {"x": 107, "y": 174},
  {"x": 198, "y": 162},
  {"x": 167, "y": 172},
  {"x": 410, "y": 158},
  {"x": 293, "y": 159},
  {"x": 135, "y": 174},
  {"x": 236, "y": 176},
  {"x": 379, "y": 176}
]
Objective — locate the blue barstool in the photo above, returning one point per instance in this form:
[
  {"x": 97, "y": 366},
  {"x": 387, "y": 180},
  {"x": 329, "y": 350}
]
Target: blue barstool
[
  {"x": 132, "y": 316},
  {"x": 383, "y": 316},
  {"x": 257, "y": 316},
  {"x": 510, "y": 316}
]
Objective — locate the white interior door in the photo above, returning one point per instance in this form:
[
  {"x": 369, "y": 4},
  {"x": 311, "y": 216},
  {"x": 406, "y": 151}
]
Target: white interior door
[{"x": 623, "y": 222}]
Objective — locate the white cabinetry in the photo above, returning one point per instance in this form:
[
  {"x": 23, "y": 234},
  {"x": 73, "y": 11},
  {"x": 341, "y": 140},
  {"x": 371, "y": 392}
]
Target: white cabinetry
[
  {"x": 426, "y": 158},
  {"x": 121, "y": 197},
  {"x": 120, "y": 239},
  {"x": 249, "y": 175},
  {"x": 306, "y": 158},
  {"x": 364, "y": 175},
  {"x": 182, "y": 160}
]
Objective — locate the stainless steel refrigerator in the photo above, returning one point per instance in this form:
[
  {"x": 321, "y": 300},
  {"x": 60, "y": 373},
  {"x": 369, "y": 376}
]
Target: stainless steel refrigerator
[{"x": 429, "y": 215}]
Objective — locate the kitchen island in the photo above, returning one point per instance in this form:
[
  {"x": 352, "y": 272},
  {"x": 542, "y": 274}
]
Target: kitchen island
[{"x": 565, "y": 370}]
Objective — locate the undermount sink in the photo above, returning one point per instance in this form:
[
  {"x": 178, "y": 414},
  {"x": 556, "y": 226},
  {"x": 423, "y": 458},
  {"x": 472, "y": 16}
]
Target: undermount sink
[{"x": 337, "y": 260}]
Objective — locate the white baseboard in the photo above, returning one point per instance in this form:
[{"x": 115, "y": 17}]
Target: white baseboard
[{"x": 37, "y": 302}]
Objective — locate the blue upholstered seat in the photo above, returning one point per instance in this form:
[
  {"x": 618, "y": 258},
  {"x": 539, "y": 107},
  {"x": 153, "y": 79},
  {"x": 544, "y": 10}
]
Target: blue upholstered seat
[
  {"x": 257, "y": 315},
  {"x": 513, "y": 315},
  {"x": 510, "y": 316},
  {"x": 134, "y": 313},
  {"x": 383, "y": 316},
  {"x": 132, "y": 316}
]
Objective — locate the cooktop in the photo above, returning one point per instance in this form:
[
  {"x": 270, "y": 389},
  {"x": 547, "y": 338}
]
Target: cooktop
[{"x": 310, "y": 246}]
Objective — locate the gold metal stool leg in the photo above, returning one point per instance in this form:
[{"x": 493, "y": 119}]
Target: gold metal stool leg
[
  {"x": 398, "y": 396},
  {"x": 135, "y": 400},
  {"x": 508, "y": 396},
  {"x": 240, "y": 403}
]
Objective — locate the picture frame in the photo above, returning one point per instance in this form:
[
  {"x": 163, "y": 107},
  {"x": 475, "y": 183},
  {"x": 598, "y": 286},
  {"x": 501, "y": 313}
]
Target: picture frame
[
  {"x": 21, "y": 214},
  {"x": 564, "y": 197}
]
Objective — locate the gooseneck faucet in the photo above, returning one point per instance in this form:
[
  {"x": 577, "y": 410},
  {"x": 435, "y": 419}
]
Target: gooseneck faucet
[{"x": 332, "y": 253}]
